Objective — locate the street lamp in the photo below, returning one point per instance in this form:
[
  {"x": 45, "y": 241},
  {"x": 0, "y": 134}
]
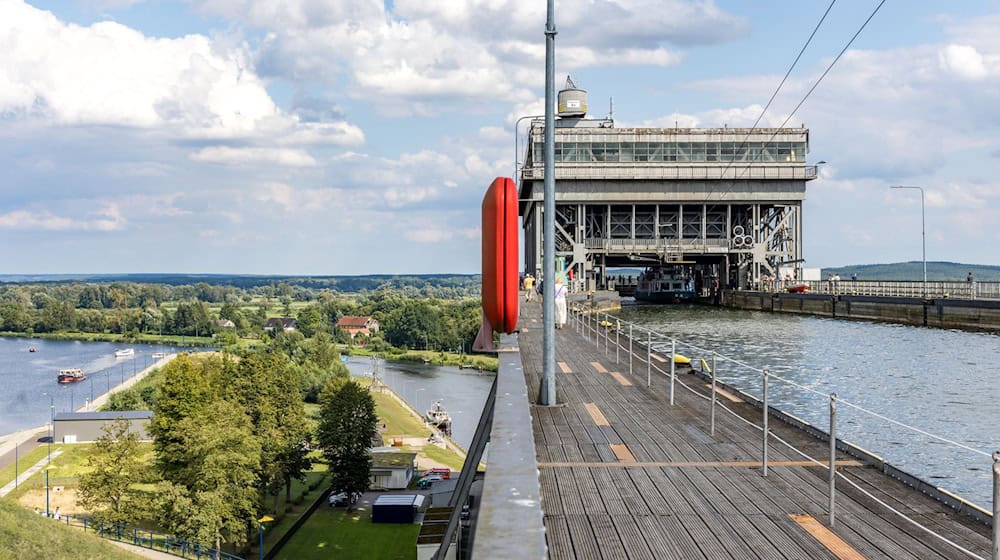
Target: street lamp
[
  {"x": 923, "y": 229},
  {"x": 260, "y": 523},
  {"x": 52, "y": 419}
]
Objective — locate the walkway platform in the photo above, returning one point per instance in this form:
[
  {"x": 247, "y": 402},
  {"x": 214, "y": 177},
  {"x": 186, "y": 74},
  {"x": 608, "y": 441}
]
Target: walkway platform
[{"x": 626, "y": 476}]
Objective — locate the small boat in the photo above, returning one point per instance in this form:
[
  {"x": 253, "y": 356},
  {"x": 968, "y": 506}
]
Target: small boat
[
  {"x": 798, "y": 288},
  {"x": 32, "y": 349},
  {"x": 438, "y": 417},
  {"x": 125, "y": 353},
  {"x": 682, "y": 360},
  {"x": 158, "y": 355},
  {"x": 74, "y": 375}
]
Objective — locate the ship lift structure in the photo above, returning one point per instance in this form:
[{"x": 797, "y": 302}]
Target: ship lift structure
[{"x": 727, "y": 202}]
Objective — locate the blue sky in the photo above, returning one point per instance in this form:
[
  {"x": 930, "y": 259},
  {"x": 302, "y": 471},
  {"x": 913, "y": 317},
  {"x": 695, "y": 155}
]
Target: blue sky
[{"x": 353, "y": 137}]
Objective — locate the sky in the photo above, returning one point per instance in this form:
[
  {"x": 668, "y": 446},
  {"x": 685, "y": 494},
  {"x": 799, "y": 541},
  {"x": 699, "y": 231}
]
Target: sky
[{"x": 359, "y": 136}]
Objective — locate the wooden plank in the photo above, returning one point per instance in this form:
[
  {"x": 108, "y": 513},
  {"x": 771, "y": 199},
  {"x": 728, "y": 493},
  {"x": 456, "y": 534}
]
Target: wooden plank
[
  {"x": 827, "y": 538},
  {"x": 598, "y": 367},
  {"x": 608, "y": 541},
  {"x": 557, "y": 538},
  {"x": 621, "y": 379},
  {"x": 631, "y": 536},
  {"x": 622, "y": 453},
  {"x": 725, "y": 394},
  {"x": 565, "y": 367},
  {"x": 582, "y": 537},
  {"x": 596, "y": 414}
]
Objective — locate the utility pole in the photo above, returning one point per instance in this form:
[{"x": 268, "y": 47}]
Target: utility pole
[{"x": 547, "y": 393}]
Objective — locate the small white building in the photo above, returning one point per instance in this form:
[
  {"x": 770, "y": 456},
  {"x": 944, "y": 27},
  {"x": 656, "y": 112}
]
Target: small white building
[{"x": 392, "y": 470}]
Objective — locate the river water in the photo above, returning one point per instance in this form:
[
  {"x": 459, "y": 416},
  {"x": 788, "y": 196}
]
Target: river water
[
  {"x": 28, "y": 379},
  {"x": 462, "y": 392},
  {"x": 945, "y": 382}
]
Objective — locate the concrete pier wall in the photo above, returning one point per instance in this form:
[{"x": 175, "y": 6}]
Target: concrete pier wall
[{"x": 947, "y": 313}]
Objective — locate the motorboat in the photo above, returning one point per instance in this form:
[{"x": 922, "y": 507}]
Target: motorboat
[
  {"x": 665, "y": 284},
  {"x": 124, "y": 353},
  {"x": 797, "y": 288},
  {"x": 438, "y": 417},
  {"x": 74, "y": 375},
  {"x": 32, "y": 349},
  {"x": 158, "y": 355}
]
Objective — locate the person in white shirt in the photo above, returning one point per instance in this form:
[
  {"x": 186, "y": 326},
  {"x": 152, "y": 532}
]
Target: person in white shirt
[{"x": 560, "y": 299}]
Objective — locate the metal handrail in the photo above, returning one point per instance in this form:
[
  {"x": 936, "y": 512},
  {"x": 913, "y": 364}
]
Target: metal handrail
[
  {"x": 169, "y": 544},
  {"x": 902, "y": 288}
]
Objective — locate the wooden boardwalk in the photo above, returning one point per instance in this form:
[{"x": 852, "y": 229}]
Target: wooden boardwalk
[{"x": 625, "y": 476}]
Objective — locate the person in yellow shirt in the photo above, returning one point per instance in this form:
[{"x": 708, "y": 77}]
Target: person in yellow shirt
[{"x": 529, "y": 287}]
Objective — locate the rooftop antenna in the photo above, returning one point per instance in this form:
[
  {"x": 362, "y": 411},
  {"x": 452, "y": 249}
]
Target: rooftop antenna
[{"x": 611, "y": 113}]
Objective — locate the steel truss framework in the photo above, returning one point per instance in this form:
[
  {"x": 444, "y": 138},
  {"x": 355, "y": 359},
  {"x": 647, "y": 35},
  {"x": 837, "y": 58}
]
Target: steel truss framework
[{"x": 740, "y": 243}]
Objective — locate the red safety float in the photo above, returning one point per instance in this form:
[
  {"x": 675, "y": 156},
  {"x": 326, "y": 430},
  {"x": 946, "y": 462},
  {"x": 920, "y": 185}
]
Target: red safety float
[{"x": 500, "y": 258}]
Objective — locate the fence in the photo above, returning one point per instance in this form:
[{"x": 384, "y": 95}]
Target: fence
[
  {"x": 640, "y": 343},
  {"x": 169, "y": 544},
  {"x": 914, "y": 289}
]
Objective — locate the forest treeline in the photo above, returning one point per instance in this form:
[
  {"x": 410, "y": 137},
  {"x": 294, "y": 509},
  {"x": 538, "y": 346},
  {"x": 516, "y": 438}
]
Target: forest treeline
[{"x": 434, "y": 316}]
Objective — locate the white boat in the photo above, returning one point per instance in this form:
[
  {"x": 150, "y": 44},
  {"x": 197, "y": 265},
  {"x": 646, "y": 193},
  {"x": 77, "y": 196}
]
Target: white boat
[
  {"x": 158, "y": 355},
  {"x": 124, "y": 353},
  {"x": 438, "y": 417}
]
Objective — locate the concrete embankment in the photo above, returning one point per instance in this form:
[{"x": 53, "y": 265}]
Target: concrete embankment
[{"x": 982, "y": 315}]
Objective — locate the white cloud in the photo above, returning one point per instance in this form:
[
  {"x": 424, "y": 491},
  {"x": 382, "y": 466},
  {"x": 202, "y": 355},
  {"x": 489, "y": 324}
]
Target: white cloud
[
  {"x": 108, "y": 218},
  {"x": 240, "y": 156},
  {"x": 419, "y": 52},
  {"x": 963, "y": 61},
  {"x": 191, "y": 87}
]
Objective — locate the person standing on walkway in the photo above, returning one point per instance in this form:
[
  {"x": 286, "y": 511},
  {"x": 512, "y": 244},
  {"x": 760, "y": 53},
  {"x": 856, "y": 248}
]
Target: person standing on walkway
[
  {"x": 529, "y": 287},
  {"x": 560, "y": 299}
]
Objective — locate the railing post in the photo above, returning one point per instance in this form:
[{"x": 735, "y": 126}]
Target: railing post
[
  {"x": 833, "y": 454},
  {"x": 618, "y": 345},
  {"x": 630, "y": 349},
  {"x": 996, "y": 505},
  {"x": 763, "y": 451},
  {"x": 712, "y": 415},
  {"x": 673, "y": 367},
  {"x": 649, "y": 358},
  {"x": 607, "y": 333}
]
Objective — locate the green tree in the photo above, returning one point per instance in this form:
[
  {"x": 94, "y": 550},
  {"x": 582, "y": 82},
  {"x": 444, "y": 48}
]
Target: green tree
[
  {"x": 345, "y": 433},
  {"x": 214, "y": 498},
  {"x": 186, "y": 391},
  {"x": 310, "y": 321},
  {"x": 115, "y": 459}
]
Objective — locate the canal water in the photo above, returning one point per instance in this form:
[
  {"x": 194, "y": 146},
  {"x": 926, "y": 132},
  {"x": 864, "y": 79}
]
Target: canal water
[
  {"x": 28, "y": 379},
  {"x": 462, "y": 392},
  {"x": 944, "y": 382}
]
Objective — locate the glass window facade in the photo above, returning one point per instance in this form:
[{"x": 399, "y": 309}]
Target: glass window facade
[{"x": 617, "y": 152}]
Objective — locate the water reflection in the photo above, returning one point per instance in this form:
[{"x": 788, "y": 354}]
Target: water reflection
[
  {"x": 27, "y": 376},
  {"x": 941, "y": 381},
  {"x": 462, "y": 392}
]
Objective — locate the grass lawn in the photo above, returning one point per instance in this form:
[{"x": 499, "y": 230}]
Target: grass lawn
[
  {"x": 26, "y": 461},
  {"x": 26, "y": 535},
  {"x": 398, "y": 421},
  {"x": 333, "y": 533}
]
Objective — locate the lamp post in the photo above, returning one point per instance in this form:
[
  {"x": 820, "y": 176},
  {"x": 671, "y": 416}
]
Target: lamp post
[
  {"x": 260, "y": 524},
  {"x": 52, "y": 419},
  {"x": 923, "y": 229}
]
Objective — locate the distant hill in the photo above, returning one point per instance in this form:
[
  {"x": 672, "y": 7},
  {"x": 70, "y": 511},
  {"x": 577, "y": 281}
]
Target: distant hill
[
  {"x": 246, "y": 281},
  {"x": 914, "y": 270},
  {"x": 26, "y": 535}
]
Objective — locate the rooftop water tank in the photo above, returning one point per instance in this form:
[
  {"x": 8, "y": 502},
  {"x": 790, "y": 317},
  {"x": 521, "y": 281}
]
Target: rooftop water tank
[{"x": 572, "y": 101}]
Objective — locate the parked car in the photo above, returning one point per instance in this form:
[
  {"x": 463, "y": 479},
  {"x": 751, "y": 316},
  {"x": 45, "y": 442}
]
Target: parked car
[
  {"x": 426, "y": 481},
  {"x": 443, "y": 472},
  {"x": 343, "y": 499}
]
